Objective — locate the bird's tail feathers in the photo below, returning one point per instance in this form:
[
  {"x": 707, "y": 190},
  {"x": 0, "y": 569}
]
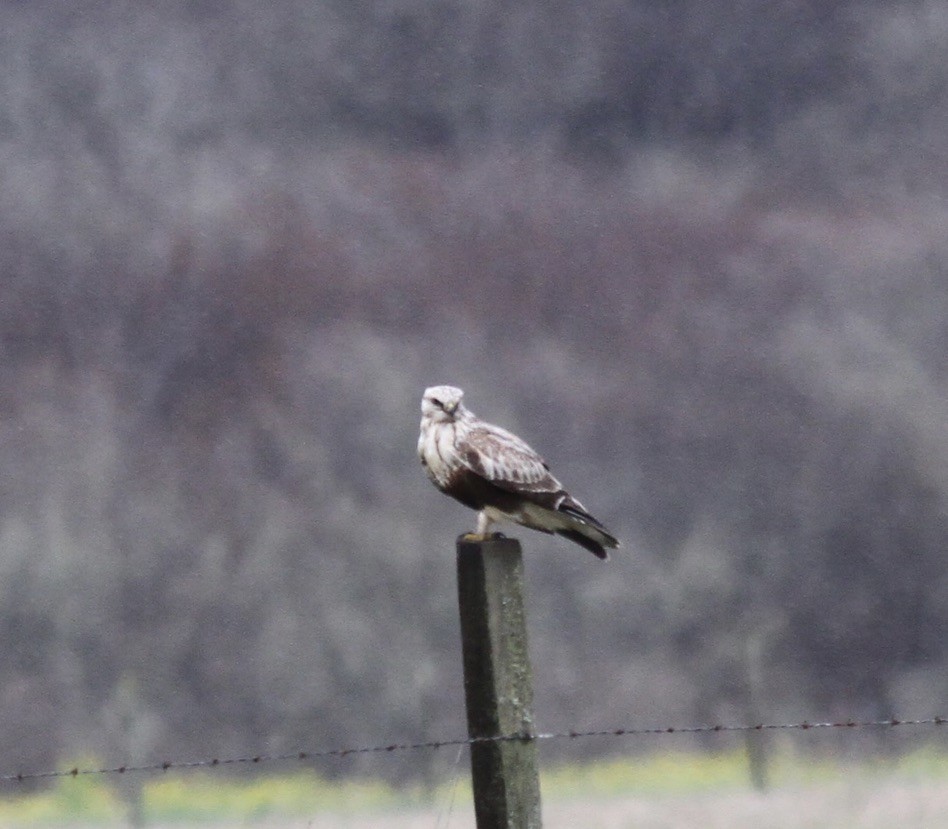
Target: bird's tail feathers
[
  {"x": 590, "y": 544},
  {"x": 580, "y": 514},
  {"x": 587, "y": 531}
]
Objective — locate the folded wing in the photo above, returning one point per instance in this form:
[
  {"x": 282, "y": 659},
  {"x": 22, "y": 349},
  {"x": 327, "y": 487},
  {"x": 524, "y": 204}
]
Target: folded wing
[{"x": 508, "y": 463}]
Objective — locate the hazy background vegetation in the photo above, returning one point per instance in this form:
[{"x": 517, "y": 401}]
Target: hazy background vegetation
[{"x": 694, "y": 251}]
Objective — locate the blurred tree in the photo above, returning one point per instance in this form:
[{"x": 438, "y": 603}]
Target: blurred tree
[{"x": 226, "y": 280}]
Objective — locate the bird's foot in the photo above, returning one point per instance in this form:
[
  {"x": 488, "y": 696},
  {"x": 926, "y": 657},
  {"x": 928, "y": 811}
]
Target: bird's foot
[{"x": 480, "y": 537}]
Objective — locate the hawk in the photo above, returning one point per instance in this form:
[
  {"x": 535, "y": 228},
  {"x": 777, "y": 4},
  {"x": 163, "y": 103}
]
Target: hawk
[{"x": 494, "y": 472}]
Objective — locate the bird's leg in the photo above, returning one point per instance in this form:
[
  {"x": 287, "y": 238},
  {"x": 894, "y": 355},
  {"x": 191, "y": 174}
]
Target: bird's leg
[{"x": 480, "y": 533}]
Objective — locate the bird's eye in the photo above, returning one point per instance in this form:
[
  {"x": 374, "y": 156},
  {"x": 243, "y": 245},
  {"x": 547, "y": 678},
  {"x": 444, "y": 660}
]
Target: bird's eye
[{"x": 437, "y": 402}]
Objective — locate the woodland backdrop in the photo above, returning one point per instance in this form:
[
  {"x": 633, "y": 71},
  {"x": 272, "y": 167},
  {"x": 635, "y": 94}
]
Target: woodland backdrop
[{"x": 695, "y": 251}]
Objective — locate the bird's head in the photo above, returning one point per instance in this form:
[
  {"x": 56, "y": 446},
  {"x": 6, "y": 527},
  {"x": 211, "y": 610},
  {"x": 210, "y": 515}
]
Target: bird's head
[{"x": 441, "y": 404}]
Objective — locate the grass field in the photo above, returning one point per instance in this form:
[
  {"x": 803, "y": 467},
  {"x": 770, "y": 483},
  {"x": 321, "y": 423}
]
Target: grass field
[{"x": 665, "y": 791}]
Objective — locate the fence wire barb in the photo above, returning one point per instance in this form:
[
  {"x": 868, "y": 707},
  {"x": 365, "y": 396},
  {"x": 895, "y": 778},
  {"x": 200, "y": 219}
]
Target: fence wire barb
[{"x": 302, "y": 756}]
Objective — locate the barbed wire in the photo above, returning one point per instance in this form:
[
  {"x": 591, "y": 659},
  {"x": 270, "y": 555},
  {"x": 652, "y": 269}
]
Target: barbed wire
[{"x": 303, "y": 756}]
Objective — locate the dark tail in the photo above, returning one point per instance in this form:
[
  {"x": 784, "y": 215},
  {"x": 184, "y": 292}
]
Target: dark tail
[
  {"x": 588, "y": 532},
  {"x": 585, "y": 541}
]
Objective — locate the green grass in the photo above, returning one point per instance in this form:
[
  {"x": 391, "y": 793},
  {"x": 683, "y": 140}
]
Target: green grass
[
  {"x": 206, "y": 797},
  {"x": 686, "y": 772},
  {"x": 200, "y": 797},
  {"x": 81, "y": 799}
]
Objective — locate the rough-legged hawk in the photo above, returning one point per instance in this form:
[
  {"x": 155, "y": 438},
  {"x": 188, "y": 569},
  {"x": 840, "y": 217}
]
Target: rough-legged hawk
[{"x": 494, "y": 472}]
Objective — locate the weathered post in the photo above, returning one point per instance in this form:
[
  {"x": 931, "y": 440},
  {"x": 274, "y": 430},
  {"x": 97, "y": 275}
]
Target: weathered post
[
  {"x": 756, "y": 741},
  {"x": 498, "y": 683}
]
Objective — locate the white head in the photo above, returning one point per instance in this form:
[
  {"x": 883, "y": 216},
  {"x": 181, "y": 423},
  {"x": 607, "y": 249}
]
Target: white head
[{"x": 441, "y": 404}]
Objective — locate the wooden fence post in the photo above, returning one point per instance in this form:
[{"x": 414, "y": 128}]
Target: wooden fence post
[
  {"x": 498, "y": 683},
  {"x": 756, "y": 741}
]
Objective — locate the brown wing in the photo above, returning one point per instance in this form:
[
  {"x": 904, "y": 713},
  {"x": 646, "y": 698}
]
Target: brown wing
[
  {"x": 508, "y": 462},
  {"x": 509, "y": 465}
]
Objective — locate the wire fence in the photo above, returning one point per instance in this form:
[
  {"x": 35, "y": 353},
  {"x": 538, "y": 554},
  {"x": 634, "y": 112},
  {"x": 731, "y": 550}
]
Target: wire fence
[{"x": 303, "y": 756}]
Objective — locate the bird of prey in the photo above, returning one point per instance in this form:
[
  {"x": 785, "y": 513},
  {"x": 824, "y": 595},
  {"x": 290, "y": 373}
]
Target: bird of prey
[{"x": 494, "y": 472}]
